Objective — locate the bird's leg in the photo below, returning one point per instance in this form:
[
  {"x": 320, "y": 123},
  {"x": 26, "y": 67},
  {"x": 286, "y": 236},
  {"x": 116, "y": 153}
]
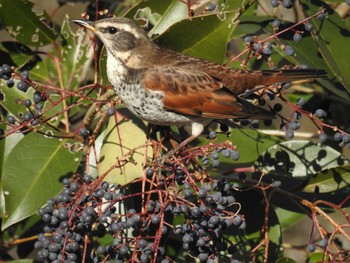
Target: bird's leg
[
  {"x": 160, "y": 160},
  {"x": 197, "y": 129}
]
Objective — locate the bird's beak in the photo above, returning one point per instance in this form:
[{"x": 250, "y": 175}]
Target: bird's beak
[{"x": 85, "y": 23}]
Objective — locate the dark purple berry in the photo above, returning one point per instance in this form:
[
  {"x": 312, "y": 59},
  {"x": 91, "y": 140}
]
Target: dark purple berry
[
  {"x": 297, "y": 37},
  {"x": 267, "y": 51},
  {"x": 39, "y": 106},
  {"x": 294, "y": 125},
  {"x": 346, "y": 138},
  {"x": 212, "y": 134},
  {"x": 257, "y": 47},
  {"x": 323, "y": 137},
  {"x": 319, "y": 113},
  {"x": 149, "y": 172},
  {"x": 275, "y": 3},
  {"x": 324, "y": 243},
  {"x": 205, "y": 160},
  {"x": 309, "y": 26},
  {"x": 321, "y": 16},
  {"x": 255, "y": 124},
  {"x": 226, "y": 153},
  {"x": 22, "y": 86},
  {"x": 289, "y": 50},
  {"x": 289, "y": 134},
  {"x": 248, "y": 39},
  {"x": 277, "y": 107},
  {"x": 286, "y": 85},
  {"x": 214, "y": 155},
  {"x": 84, "y": 132},
  {"x": 28, "y": 116},
  {"x": 37, "y": 97},
  {"x": 6, "y": 69},
  {"x": 338, "y": 136},
  {"x": 287, "y": 3},
  {"x": 235, "y": 155},
  {"x": 276, "y": 23},
  {"x": 215, "y": 163},
  {"x": 311, "y": 247},
  {"x": 301, "y": 102},
  {"x": 25, "y": 74},
  {"x": 155, "y": 219},
  {"x": 11, "y": 119},
  {"x": 211, "y": 7},
  {"x": 110, "y": 111},
  {"x": 10, "y": 83},
  {"x": 27, "y": 103},
  {"x": 297, "y": 115}
]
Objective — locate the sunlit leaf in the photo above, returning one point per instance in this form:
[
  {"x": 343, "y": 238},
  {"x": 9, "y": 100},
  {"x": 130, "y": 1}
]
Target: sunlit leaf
[
  {"x": 209, "y": 43},
  {"x": 332, "y": 37},
  {"x": 33, "y": 172},
  {"x": 75, "y": 56},
  {"x": 26, "y": 26},
  {"x": 299, "y": 159},
  {"x": 121, "y": 138},
  {"x": 330, "y": 180}
]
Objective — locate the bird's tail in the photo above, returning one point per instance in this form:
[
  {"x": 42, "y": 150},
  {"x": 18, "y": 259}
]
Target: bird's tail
[{"x": 287, "y": 75}]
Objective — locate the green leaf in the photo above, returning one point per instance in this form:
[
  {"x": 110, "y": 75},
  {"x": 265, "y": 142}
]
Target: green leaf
[
  {"x": 299, "y": 159},
  {"x": 332, "y": 39},
  {"x": 249, "y": 143},
  {"x": 13, "y": 99},
  {"x": 120, "y": 138},
  {"x": 317, "y": 257},
  {"x": 209, "y": 43},
  {"x": 6, "y": 145},
  {"x": 287, "y": 218},
  {"x": 24, "y": 25},
  {"x": 329, "y": 180},
  {"x": 54, "y": 113},
  {"x": 45, "y": 71},
  {"x": 74, "y": 56},
  {"x": 32, "y": 174},
  {"x": 161, "y": 14},
  {"x": 253, "y": 209},
  {"x": 19, "y": 53},
  {"x": 155, "y": 6}
]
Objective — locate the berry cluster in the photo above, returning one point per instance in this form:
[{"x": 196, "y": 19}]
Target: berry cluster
[
  {"x": 284, "y": 3},
  {"x": 86, "y": 211}
]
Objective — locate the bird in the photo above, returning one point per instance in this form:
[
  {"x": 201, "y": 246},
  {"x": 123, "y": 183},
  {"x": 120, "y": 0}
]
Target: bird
[{"x": 168, "y": 88}]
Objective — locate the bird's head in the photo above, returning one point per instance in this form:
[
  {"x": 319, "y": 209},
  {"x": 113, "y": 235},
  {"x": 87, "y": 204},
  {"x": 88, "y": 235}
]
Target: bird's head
[{"x": 121, "y": 36}]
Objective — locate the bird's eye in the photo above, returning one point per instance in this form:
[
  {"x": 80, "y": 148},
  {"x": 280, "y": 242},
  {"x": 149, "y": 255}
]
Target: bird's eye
[{"x": 112, "y": 30}]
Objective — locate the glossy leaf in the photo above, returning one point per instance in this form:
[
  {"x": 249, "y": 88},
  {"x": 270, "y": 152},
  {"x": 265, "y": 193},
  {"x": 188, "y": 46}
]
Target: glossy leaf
[
  {"x": 330, "y": 180},
  {"x": 287, "y": 218},
  {"x": 209, "y": 43},
  {"x": 169, "y": 11},
  {"x": 13, "y": 99},
  {"x": 299, "y": 159},
  {"x": 54, "y": 110},
  {"x": 75, "y": 56},
  {"x": 26, "y": 26},
  {"x": 32, "y": 173},
  {"x": 119, "y": 139},
  {"x": 254, "y": 212},
  {"x": 249, "y": 143},
  {"x": 19, "y": 53},
  {"x": 333, "y": 39}
]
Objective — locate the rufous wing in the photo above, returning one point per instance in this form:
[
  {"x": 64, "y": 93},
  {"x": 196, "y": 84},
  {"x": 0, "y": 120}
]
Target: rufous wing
[{"x": 196, "y": 93}]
